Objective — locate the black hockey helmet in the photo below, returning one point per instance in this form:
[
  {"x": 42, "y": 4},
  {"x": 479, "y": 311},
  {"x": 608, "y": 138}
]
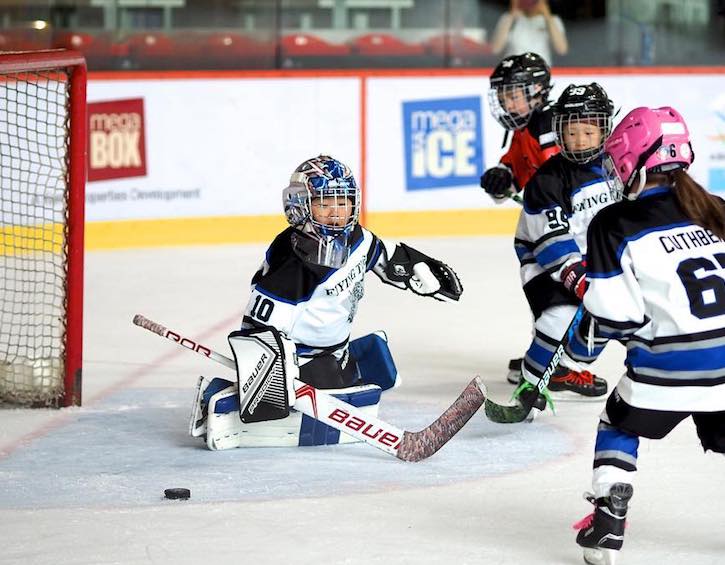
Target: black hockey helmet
[
  {"x": 582, "y": 104},
  {"x": 519, "y": 84}
]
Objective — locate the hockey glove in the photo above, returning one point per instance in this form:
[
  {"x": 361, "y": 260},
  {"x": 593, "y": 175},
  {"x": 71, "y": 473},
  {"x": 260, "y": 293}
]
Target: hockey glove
[
  {"x": 497, "y": 182},
  {"x": 423, "y": 275},
  {"x": 574, "y": 278}
]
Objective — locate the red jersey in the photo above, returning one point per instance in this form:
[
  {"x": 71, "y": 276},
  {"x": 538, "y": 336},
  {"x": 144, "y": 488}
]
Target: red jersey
[{"x": 531, "y": 146}]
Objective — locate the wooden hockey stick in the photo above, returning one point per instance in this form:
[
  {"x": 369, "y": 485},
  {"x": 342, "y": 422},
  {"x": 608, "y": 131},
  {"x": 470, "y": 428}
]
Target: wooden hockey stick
[
  {"x": 512, "y": 414},
  {"x": 316, "y": 403}
]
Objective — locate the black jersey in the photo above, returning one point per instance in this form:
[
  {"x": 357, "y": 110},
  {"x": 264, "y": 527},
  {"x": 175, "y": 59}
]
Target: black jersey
[
  {"x": 560, "y": 201},
  {"x": 657, "y": 283}
]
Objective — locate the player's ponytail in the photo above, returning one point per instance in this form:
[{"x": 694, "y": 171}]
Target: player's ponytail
[{"x": 698, "y": 204}]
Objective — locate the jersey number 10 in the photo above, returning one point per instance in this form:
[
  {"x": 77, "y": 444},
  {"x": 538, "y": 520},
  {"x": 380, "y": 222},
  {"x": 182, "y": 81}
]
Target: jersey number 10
[{"x": 706, "y": 295}]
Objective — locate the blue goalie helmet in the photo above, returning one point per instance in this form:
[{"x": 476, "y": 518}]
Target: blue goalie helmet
[{"x": 322, "y": 202}]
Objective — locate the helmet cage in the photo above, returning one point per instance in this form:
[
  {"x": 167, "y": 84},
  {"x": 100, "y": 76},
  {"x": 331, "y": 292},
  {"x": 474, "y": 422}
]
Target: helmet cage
[
  {"x": 534, "y": 94},
  {"x": 602, "y": 120},
  {"x": 323, "y": 183}
]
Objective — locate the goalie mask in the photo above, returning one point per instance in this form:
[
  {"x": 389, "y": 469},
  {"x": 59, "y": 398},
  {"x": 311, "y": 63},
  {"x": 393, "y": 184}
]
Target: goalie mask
[
  {"x": 647, "y": 140},
  {"x": 582, "y": 121},
  {"x": 322, "y": 202},
  {"x": 519, "y": 85}
]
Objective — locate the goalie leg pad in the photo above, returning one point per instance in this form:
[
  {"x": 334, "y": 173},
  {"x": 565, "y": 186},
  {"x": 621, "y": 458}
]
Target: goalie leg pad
[
  {"x": 225, "y": 430},
  {"x": 374, "y": 360},
  {"x": 199, "y": 412}
]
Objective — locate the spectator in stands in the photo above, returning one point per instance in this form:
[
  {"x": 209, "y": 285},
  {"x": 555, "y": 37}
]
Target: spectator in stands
[{"x": 529, "y": 25}]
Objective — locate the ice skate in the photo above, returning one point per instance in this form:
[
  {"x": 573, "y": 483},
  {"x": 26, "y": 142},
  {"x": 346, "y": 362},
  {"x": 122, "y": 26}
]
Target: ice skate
[
  {"x": 601, "y": 534},
  {"x": 515, "y": 375},
  {"x": 523, "y": 394},
  {"x": 568, "y": 384}
]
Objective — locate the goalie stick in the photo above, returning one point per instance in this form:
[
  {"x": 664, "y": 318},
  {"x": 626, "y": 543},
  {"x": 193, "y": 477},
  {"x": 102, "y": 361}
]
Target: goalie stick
[
  {"x": 512, "y": 414},
  {"x": 316, "y": 403}
]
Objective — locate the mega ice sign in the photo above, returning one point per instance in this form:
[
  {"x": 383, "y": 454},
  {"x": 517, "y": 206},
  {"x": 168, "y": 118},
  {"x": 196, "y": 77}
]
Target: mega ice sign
[
  {"x": 116, "y": 141},
  {"x": 443, "y": 142}
]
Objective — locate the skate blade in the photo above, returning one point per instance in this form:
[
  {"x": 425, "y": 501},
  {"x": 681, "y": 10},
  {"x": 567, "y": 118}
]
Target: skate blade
[
  {"x": 568, "y": 396},
  {"x": 599, "y": 556}
]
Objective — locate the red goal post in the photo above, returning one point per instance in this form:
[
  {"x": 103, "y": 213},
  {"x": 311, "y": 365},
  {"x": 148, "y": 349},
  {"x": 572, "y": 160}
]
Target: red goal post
[{"x": 42, "y": 174}]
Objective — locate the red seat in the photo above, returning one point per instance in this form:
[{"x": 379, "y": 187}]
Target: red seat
[
  {"x": 224, "y": 45},
  {"x": 306, "y": 45},
  {"x": 383, "y": 44},
  {"x": 157, "y": 50},
  {"x": 24, "y": 39},
  {"x": 458, "y": 45},
  {"x": 100, "y": 50}
]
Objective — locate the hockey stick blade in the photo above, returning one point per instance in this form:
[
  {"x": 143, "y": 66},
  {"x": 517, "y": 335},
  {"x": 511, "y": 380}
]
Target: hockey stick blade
[
  {"x": 417, "y": 446},
  {"x": 513, "y": 414},
  {"x": 316, "y": 403}
]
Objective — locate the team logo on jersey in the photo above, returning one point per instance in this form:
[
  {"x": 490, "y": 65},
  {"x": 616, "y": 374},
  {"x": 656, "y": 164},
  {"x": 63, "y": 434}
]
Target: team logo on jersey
[{"x": 443, "y": 142}]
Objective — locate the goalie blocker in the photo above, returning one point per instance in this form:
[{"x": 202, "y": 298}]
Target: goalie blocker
[{"x": 255, "y": 411}]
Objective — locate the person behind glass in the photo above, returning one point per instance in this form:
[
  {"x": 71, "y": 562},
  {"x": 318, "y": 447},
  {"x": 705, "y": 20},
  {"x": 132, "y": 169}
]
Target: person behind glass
[
  {"x": 656, "y": 283},
  {"x": 529, "y": 25}
]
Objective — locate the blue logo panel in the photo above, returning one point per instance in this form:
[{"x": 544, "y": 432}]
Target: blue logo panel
[
  {"x": 716, "y": 181},
  {"x": 443, "y": 142}
]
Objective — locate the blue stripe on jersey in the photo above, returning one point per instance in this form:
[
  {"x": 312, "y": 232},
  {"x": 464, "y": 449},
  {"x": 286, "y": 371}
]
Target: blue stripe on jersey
[
  {"x": 539, "y": 354},
  {"x": 586, "y": 184},
  {"x": 376, "y": 255},
  {"x": 615, "y": 440},
  {"x": 654, "y": 191},
  {"x": 556, "y": 251},
  {"x": 578, "y": 347},
  {"x": 634, "y": 237},
  {"x": 706, "y": 359}
]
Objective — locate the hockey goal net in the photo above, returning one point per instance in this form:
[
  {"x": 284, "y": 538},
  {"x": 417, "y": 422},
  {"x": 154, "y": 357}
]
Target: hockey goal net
[{"x": 42, "y": 176}]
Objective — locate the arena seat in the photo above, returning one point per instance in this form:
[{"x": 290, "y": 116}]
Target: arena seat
[
  {"x": 24, "y": 39},
  {"x": 100, "y": 50},
  {"x": 228, "y": 50},
  {"x": 384, "y": 45},
  {"x": 307, "y": 45},
  {"x": 156, "y": 50},
  {"x": 460, "y": 50}
]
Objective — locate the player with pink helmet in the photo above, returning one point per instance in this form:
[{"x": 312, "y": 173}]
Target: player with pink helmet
[{"x": 656, "y": 276}]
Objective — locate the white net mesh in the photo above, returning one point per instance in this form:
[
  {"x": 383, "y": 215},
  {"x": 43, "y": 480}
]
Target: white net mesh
[{"x": 34, "y": 139}]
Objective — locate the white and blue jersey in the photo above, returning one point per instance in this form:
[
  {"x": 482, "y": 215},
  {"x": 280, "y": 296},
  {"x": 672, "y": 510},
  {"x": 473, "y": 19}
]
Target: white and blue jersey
[
  {"x": 560, "y": 201},
  {"x": 311, "y": 305},
  {"x": 657, "y": 284}
]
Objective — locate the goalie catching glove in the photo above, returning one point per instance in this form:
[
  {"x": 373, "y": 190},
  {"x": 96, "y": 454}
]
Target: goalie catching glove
[{"x": 409, "y": 268}]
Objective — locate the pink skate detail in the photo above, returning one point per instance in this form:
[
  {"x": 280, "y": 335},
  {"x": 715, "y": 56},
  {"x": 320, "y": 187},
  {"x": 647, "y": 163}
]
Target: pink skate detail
[{"x": 584, "y": 522}]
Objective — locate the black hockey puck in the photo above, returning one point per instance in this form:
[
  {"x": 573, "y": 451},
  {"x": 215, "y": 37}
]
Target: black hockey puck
[{"x": 177, "y": 493}]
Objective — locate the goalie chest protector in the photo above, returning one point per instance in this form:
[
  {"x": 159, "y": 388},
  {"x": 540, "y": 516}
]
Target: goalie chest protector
[{"x": 312, "y": 305}]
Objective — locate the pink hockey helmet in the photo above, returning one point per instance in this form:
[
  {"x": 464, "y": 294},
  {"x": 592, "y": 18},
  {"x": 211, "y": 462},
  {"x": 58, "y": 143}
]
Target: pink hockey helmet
[{"x": 646, "y": 140}]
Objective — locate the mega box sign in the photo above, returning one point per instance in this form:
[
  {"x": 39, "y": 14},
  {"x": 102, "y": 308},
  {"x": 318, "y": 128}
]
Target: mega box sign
[
  {"x": 116, "y": 140},
  {"x": 443, "y": 142}
]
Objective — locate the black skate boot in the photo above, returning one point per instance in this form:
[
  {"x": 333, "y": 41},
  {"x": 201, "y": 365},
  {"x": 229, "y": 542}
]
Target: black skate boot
[
  {"x": 514, "y": 375},
  {"x": 601, "y": 534},
  {"x": 567, "y": 384},
  {"x": 523, "y": 394}
]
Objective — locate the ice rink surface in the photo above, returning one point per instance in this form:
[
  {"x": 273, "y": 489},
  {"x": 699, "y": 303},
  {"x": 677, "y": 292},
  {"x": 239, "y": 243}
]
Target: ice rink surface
[{"x": 85, "y": 485}]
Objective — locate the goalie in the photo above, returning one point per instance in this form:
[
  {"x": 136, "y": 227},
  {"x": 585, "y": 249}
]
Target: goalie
[{"x": 305, "y": 295}]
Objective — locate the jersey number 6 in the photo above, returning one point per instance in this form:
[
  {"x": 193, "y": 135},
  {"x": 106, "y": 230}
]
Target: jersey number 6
[{"x": 706, "y": 295}]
